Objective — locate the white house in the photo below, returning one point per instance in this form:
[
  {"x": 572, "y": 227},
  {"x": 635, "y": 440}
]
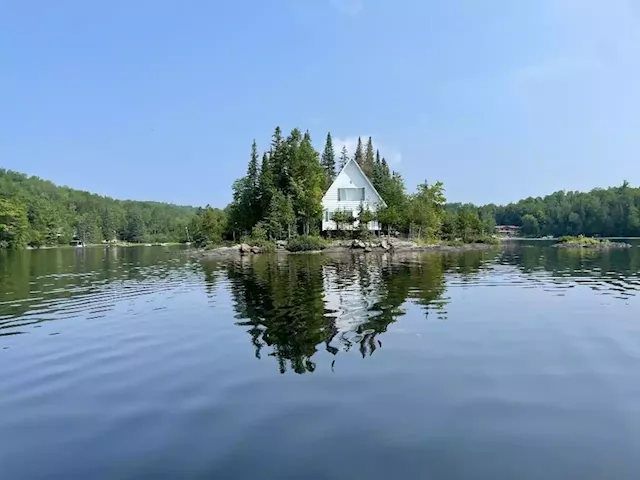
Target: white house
[{"x": 349, "y": 190}]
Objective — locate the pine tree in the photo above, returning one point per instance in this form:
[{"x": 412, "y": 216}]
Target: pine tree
[
  {"x": 278, "y": 158},
  {"x": 367, "y": 166},
  {"x": 385, "y": 168},
  {"x": 328, "y": 161},
  {"x": 359, "y": 155},
  {"x": 252, "y": 170},
  {"x": 253, "y": 182},
  {"x": 344, "y": 157},
  {"x": 267, "y": 186},
  {"x": 377, "y": 175}
]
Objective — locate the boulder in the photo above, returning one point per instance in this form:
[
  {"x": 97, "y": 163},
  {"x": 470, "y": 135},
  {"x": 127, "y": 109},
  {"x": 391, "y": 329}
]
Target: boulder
[
  {"x": 358, "y": 244},
  {"x": 256, "y": 250},
  {"x": 368, "y": 249},
  {"x": 244, "y": 248},
  {"x": 385, "y": 245}
]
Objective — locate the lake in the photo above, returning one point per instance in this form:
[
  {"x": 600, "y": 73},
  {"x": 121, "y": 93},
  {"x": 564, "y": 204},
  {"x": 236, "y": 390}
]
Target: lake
[{"x": 140, "y": 363}]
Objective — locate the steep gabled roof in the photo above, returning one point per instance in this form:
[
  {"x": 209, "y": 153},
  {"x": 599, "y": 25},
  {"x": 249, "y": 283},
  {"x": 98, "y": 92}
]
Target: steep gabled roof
[{"x": 382, "y": 202}]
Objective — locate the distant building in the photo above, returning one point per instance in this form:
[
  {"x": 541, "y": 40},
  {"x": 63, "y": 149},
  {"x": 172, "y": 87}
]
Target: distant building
[
  {"x": 347, "y": 193},
  {"x": 508, "y": 230}
]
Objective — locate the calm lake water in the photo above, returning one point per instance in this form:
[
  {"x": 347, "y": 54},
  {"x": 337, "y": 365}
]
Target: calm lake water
[{"x": 139, "y": 363}]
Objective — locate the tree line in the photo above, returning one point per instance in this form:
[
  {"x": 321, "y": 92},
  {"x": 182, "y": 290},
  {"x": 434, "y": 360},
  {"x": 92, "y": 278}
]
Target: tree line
[
  {"x": 36, "y": 212},
  {"x": 280, "y": 197},
  {"x": 605, "y": 212}
]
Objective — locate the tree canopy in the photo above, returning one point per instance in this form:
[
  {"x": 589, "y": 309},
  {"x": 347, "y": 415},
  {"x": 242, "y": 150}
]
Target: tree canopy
[{"x": 37, "y": 212}]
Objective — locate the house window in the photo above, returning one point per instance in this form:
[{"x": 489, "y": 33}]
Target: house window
[
  {"x": 351, "y": 194},
  {"x": 328, "y": 215}
]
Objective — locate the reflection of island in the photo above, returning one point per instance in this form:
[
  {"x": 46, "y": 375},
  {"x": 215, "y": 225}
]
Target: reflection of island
[{"x": 297, "y": 303}]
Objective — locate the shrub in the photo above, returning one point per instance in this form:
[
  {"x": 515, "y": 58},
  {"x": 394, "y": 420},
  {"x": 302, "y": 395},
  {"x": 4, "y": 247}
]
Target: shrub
[
  {"x": 488, "y": 239},
  {"x": 306, "y": 243},
  {"x": 581, "y": 239},
  {"x": 258, "y": 238}
]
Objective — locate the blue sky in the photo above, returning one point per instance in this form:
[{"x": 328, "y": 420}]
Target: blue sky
[{"x": 160, "y": 100}]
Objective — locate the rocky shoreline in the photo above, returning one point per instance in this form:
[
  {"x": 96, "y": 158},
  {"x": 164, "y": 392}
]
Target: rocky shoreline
[
  {"x": 593, "y": 246},
  {"x": 342, "y": 247}
]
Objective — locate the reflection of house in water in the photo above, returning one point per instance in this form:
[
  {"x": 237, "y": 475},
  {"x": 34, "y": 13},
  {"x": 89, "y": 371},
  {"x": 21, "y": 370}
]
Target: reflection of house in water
[{"x": 344, "y": 297}]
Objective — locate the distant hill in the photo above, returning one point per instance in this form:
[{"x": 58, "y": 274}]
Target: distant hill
[{"x": 37, "y": 212}]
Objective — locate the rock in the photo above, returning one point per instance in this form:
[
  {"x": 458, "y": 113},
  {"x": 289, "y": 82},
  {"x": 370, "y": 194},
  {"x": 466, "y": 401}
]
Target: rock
[
  {"x": 358, "y": 244},
  {"x": 244, "y": 248},
  {"x": 368, "y": 249},
  {"x": 281, "y": 243},
  {"x": 256, "y": 250},
  {"x": 385, "y": 245}
]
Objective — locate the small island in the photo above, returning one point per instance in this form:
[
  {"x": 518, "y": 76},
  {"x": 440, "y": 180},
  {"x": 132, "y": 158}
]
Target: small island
[{"x": 570, "y": 242}]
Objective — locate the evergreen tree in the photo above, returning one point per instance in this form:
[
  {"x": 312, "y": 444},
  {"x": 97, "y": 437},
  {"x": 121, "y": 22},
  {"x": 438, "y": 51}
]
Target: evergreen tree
[
  {"x": 266, "y": 184},
  {"x": 328, "y": 161},
  {"x": 359, "y": 155},
  {"x": 368, "y": 164},
  {"x": 344, "y": 157},
  {"x": 377, "y": 176},
  {"x": 385, "y": 168}
]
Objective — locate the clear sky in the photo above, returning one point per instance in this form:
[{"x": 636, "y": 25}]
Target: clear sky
[{"x": 160, "y": 99}]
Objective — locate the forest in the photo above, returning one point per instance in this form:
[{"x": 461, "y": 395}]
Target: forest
[
  {"x": 36, "y": 212},
  {"x": 280, "y": 197},
  {"x": 610, "y": 212}
]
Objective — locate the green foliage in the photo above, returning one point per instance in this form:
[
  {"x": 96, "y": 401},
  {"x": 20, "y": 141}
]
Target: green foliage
[
  {"x": 344, "y": 220},
  {"x": 258, "y": 238},
  {"x": 14, "y": 225},
  {"x": 368, "y": 164},
  {"x": 55, "y": 214},
  {"x": 488, "y": 239},
  {"x": 344, "y": 157},
  {"x": 364, "y": 217},
  {"x": 359, "y": 154},
  {"x": 208, "y": 226},
  {"x": 582, "y": 240},
  {"x": 530, "y": 225},
  {"x": 306, "y": 243},
  {"x": 425, "y": 210},
  {"x": 464, "y": 223},
  {"x": 607, "y": 212},
  {"x": 328, "y": 162},
  {"x": 280, "y": 216}
]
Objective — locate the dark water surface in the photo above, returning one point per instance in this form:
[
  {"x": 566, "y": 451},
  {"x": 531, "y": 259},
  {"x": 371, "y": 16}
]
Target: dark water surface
[{"x": 136, "y": 363}]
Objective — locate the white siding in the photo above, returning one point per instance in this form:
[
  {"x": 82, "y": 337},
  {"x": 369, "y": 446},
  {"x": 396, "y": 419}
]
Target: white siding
[{"x": 350, "y": 177}]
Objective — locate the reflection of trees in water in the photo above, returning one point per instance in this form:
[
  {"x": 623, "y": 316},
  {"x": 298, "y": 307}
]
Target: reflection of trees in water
[
  {"x": 36, "y": 285},
  {"x": 617, "y": 269},
  {"x": 282, "y": 304},
  {"x": 297, "y": 303}
]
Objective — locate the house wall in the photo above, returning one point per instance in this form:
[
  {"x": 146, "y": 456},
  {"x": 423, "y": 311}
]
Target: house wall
[{"x": 349, "y": 177}]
